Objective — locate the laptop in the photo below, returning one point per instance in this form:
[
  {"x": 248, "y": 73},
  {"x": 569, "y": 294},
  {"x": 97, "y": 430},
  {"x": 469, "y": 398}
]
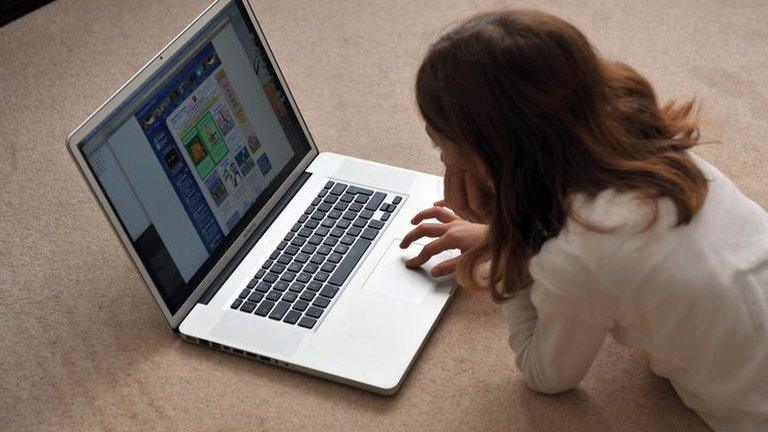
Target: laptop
[{"x": 249, "y": 239}]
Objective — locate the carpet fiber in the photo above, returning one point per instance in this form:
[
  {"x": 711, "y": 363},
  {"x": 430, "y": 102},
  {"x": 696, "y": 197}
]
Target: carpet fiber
[{"x": 84, "y": 347}]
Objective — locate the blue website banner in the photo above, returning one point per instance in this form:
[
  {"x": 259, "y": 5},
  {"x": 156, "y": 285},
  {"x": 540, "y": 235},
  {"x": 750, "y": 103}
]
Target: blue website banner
[{"x": 151, "y": 117}]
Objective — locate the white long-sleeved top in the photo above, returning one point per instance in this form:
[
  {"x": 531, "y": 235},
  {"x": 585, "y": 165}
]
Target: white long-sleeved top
[{"x": 693, "y": 297}]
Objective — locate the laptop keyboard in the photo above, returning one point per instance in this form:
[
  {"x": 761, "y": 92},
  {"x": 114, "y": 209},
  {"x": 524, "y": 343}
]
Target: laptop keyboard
[{"x": 303, "y": 275}]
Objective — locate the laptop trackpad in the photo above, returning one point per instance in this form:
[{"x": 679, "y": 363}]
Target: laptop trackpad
[{"x": 392, "y": 278}]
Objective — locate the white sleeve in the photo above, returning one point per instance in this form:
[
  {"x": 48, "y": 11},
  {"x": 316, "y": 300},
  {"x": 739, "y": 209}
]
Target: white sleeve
[{"x": 554, "y": 349}]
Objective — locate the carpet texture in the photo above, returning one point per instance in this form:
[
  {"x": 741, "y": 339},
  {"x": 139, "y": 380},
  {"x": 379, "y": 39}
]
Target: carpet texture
[{"x": 84, "y": 347}]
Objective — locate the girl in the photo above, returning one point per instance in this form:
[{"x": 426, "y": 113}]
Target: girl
[{"x": 581, "y": 192}]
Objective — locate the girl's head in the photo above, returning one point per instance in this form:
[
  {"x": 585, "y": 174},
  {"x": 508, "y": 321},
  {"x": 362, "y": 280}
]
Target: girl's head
[{"x": 521, "y": 99}]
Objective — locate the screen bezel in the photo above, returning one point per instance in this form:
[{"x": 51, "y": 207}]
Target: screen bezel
[{"x": 158, "y": 63}]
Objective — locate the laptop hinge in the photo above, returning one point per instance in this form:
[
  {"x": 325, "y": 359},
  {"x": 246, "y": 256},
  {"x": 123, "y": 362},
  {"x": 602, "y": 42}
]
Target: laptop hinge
[{"x": 253, "y": 238}]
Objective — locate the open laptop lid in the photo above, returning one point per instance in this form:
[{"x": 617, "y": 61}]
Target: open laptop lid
[{"x": 189, "y": 156}]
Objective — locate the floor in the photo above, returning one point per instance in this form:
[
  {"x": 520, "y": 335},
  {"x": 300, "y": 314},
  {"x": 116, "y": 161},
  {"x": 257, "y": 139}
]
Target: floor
[{"x": 83, "y": 346}]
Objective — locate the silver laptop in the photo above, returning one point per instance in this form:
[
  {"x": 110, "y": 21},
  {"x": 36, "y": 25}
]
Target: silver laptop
[{"x": 249, "y": 239}]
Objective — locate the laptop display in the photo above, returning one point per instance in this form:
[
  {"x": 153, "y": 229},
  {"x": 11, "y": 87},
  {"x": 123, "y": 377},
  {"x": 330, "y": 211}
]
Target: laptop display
[{"x": 193, "y": 155}]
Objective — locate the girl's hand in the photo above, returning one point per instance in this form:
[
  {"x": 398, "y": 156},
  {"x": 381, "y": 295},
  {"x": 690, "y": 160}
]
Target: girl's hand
[
  {"x": 465, "y": 194},
  {"x": 452, "y": 233}
]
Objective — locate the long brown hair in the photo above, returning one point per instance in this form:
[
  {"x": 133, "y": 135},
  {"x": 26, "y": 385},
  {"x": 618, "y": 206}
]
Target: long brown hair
[{"x": 525, "y": 93}]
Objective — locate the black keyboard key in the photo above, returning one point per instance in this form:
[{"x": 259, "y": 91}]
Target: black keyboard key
[
  {"x": 264, "y": 287},
  {"x": 273, "y": 295},
  {"x": 294, "y": 267},
  {"x": 237, "y": 303},
  {"x": 361, "y": 199},
  {"x": 308, "y": 249},
  {"x": 330, "y": 199},
  {"x": 315, "y": 240},
  {"x": 324, "y": 250},
  {"x": 275, "y": 254},
  {"x": 314, "y": 312},
  {"x": 270, "y": 277},
  {"x": 344, "y": 224},
  {"x": 314, "y": 286},
  {"x": 309, "y": 210},
  {"x": 288, "y": 276},
  {"x": 369, "y": 234},
  {"x": 252, "y": 283},
  {"x": 334, "y": 258},
  {"x": 322, "y": 276},
  {"x": 298, "y": 241},
  {"x": 328, "y": 223},
  {"x": 244, "y": 293},
  {"x": 329, "y": 291},
  {"x": 342, "y": 249},
  {"x": 347, "y": 198},
  {"x": 350, "y": 261},
  {"x": 366, "y": 214},
  {"x": 323, "y": 192},
  {"x": 312, "y": 224},
  {"x": 340, "y": 206},
  {"x": 248, "y": 306},
  {"x": 318, "y": 215},
  {"x": 397, "y": 200},
  {"x": 311, "y": 268},
  {"x": 255, "y": 296},
  {"x": 301, "y": 258},
  {"x": 305, "y": 232},
  {"x": 354, "y": 231},
  {"x": 291, "y": 317},
  {"x": 290, "y": 296},
  {"x": 376, "y": 224},
  {"x": 284, "y": 259},
  {"x": 279, "y": 311},
  {"x": 295, "y": 227},
  {"x": 307, "y": 295},
  {"x": 264, "y": 308},
  {"x": 385, "y": 216},
  {"x": 277, "y": 268},
  {"x": 337, "y": 232},
  {"x": 317, "y": 259},
  {"x": 267, "y": 264},
  {"x": 375, "y": 201},
  {"x": 391, "y": 208},
  {"x": 330, "y": 241},
  {"x": 349, "y": 215},
  {"x": 360, "y": 223},
  {"x": 338, "y": 188},
  {"x": 301, "y": 305},
  {"x": 307, "y": 322},
  {"x": 322, "y": 231},
  {"x": 292, "y": 250},
  {"x": 347, "y": 240},
  {"x": 328, "y": 267},
  {"x": 296, "y": 287},
  {"x": 321, "y": 302},
  {"x": 303, "y": 218},
  {"x": 359, "y": 190},
  {"x": 316, "y": 201},
  {"x": 303, "y": 278},
  {"x": 260, "y": 273},
  {"x": 280, "y": 286},
  {"x": 334, "y": 214},
  {"x": 324, "y": 207},
  {"x": 356, "y": 207},
  {"x": 328, "y": 185}
]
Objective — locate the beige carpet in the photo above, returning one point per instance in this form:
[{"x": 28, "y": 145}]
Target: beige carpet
[{"x": 82, "y": 346}]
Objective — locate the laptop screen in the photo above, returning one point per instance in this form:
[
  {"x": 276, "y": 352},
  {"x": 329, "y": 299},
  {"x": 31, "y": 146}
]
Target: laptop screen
[{"x": 191, "y": 157}]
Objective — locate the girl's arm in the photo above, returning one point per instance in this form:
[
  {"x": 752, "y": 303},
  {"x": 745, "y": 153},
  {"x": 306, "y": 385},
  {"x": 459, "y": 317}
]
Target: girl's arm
[{"x": 554, "y": 349}]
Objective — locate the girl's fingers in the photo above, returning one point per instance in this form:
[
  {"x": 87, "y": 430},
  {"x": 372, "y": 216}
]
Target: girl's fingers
[
  {"x": 440, "y": 203},
  {"x": 430, "y": 250},
  {"x": 440, "y": 213},
  {"x": 446, "y": 267},
  {"x": 423, "y": 230}
]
